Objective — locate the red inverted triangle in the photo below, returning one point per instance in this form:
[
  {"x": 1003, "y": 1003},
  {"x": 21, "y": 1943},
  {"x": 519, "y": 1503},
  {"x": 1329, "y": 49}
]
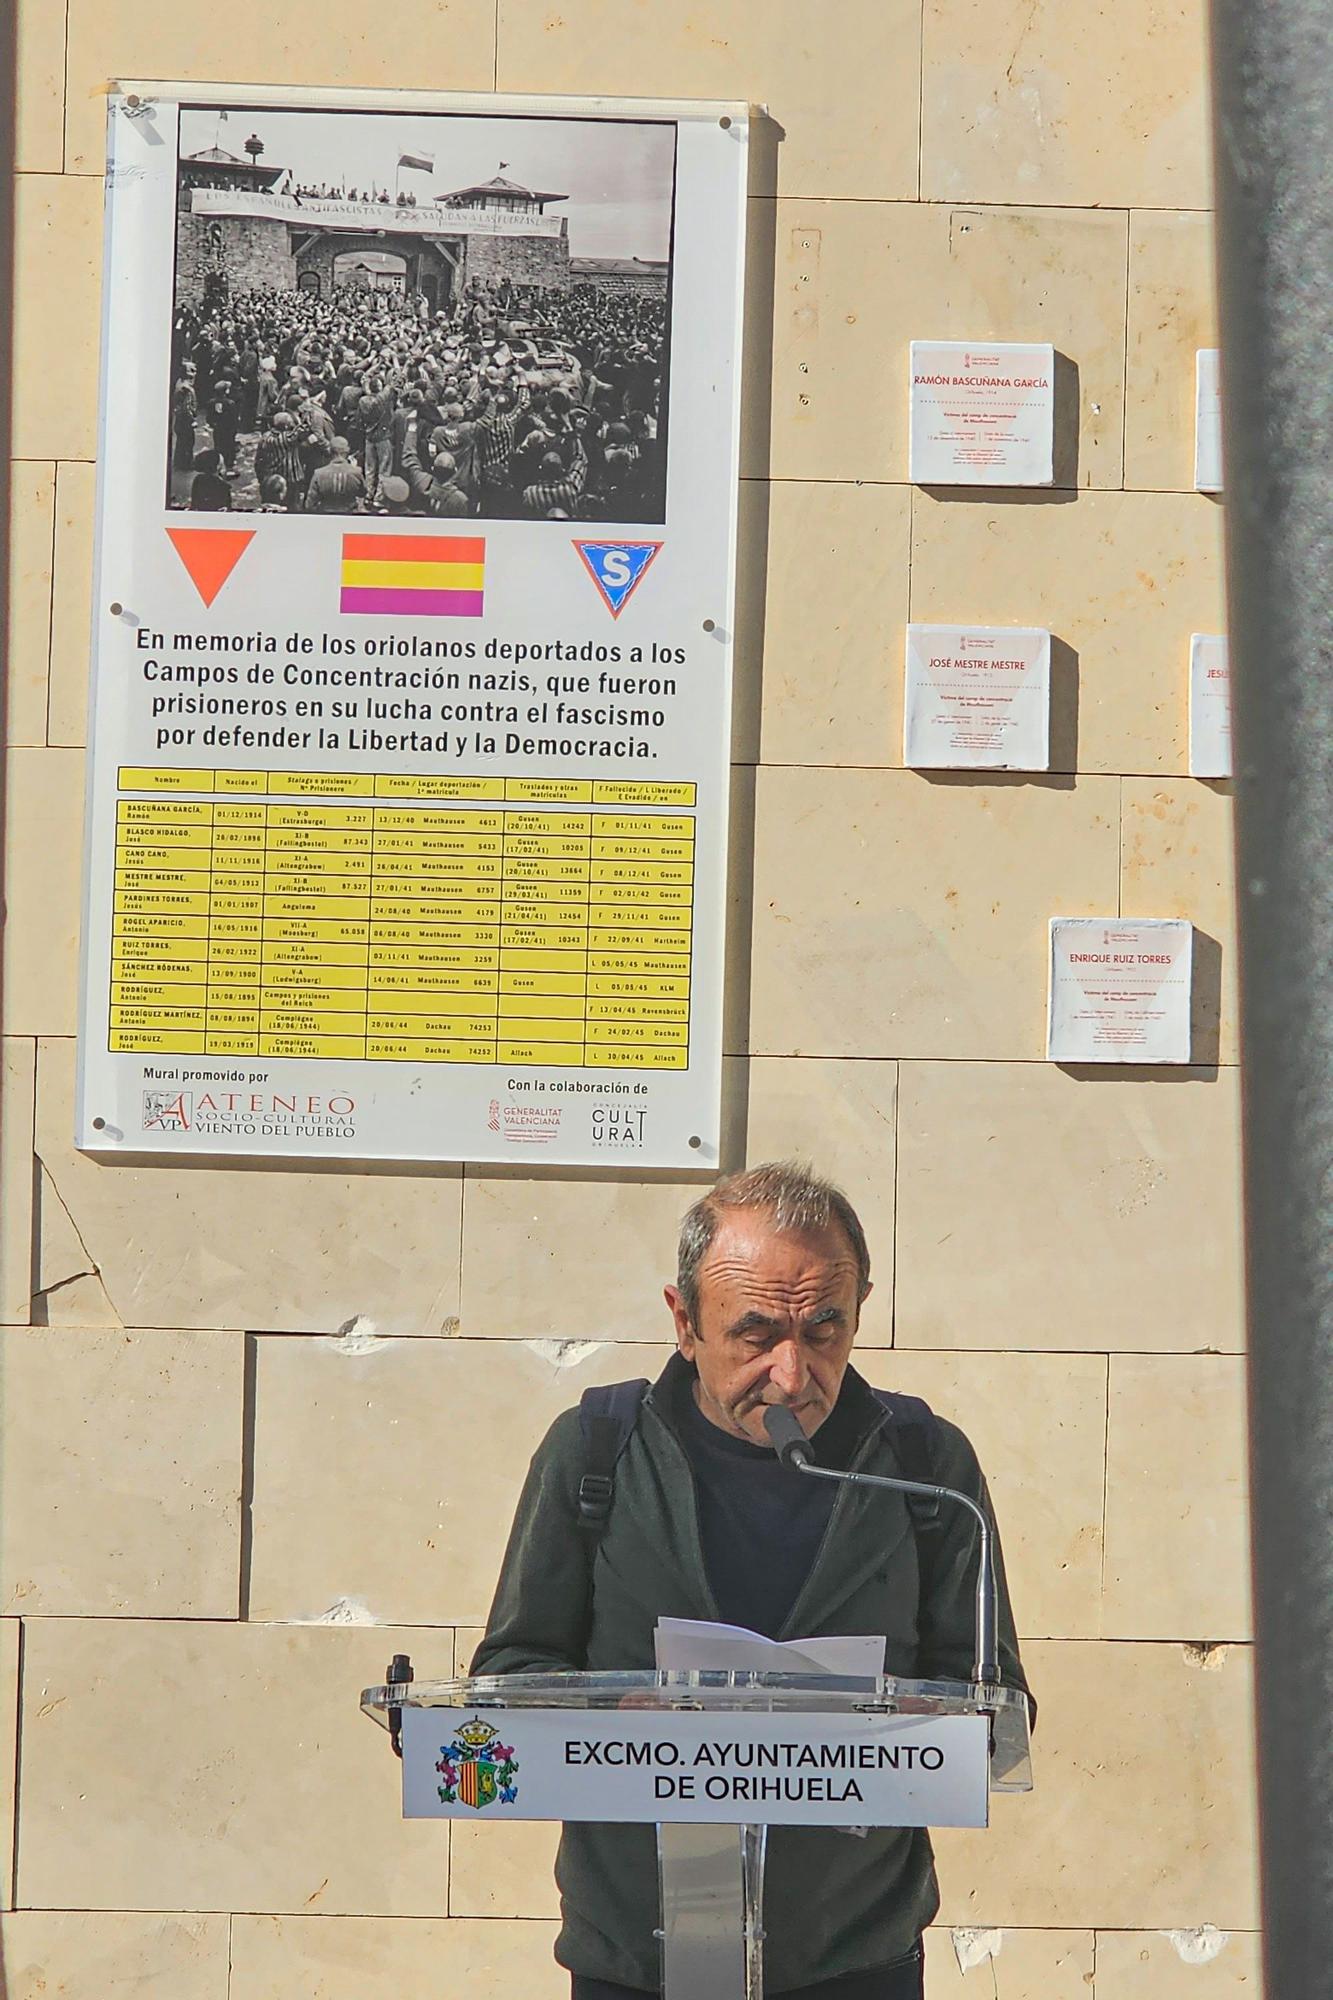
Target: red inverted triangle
[{"x": 210, "y": 555}]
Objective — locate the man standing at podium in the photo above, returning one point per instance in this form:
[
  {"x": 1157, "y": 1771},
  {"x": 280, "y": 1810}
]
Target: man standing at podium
[{"x": 704, "y": 1522}]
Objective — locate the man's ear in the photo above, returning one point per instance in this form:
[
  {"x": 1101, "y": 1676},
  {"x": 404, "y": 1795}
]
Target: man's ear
[{"x": 680, "y": 1317}]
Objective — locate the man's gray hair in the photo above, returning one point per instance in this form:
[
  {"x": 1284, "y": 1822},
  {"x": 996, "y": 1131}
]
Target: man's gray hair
[{"x": 796, "y": 1200}]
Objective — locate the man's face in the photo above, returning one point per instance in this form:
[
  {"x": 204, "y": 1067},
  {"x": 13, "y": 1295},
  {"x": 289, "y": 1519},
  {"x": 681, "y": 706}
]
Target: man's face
[{"x": 776, "y": 1319}]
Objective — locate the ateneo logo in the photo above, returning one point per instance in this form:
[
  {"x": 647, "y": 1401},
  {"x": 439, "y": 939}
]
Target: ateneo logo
[
  {"x": 167, "y": 1110},
  {"x": 477, "y": 1769}
]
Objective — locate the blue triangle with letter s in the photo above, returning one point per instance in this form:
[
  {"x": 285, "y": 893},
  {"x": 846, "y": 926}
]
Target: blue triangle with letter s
[{"x": 617, "y": 568}]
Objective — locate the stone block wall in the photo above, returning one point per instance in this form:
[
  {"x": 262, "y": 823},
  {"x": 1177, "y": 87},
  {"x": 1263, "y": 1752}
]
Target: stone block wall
[
  {"x": 526, "y": 260},
  {"x": 239, "y": 1466},
  {"x": 257, "y": 252}
]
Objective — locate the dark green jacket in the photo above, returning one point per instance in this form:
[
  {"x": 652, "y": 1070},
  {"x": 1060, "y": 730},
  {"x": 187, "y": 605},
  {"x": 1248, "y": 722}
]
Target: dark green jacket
[{"x": 834, "y": 1902}]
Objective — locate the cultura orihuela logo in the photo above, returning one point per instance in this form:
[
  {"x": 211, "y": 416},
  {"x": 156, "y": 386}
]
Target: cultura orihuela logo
[{"x": 477, "y": 1769}]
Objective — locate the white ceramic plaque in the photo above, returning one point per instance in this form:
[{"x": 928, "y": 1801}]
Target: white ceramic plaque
[
  {"x": 1207, "y": 421},
  {"x": 977, "y": 698},
  {"x": 1210, "y": 706},
  {"x": 983, "y": 414},
  {"x": 1120, "y": 990}
]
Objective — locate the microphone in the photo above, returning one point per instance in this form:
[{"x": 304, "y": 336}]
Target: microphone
[
  {"x": 792, "y": 1446},
  {"x": 785, "y": 1435}
]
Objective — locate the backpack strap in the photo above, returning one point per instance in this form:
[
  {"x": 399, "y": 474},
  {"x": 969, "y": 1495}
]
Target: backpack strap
[
  {"x": 607, "y": 1417},
  {"x": 915, "y": 1430}
]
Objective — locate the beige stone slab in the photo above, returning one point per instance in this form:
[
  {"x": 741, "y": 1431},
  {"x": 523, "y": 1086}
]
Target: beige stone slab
[
  {"x": 336, "y": 1432},
  {"x": 68, "y": 1286},
  {"x": 10, "y": 1644},
  {"x": 1038, "y": 1422},
  {"x": 503, "y": 1878},
  {"x": 80, "y": 1302},
  {"x": 1177, "y": 860},
  {"x": 92, "y": 1955},
  {"x": 364, "y": 1958},
  {"x": 71, "y": 611},
  {"x": 43, "y": 866},
  {"x": 298, "y": 1252},
  {"x": 855, "y": 282},
  {"x": 1008, "y": 1964},
  {"x": 1196, "y": 1962},
  {"x": 1041, "y": 1210},
  {"x": 842, "y": 127},
  {"x": 32, "y": 499},
  {"x": 823, "y": 602},
  {"x": 1143, "y": 1812},
  {"x": 842, "y": 1118},
  {"x": 1122, "y": 579},
  {"x": 1026, "y": 100},
  {"x": 530, "y": 1247},
  {"x": 39, "y": 73},
  {"x": 223, "y": 1765},
  {"x": 466, "y": 1640},
  {"x": 899, "y": 915},
  {"x": 57, "y": 311},
  {"x": 17, "y": 1103},
  {"x": 1177, "y": 1526},
  {"x": 120, "y": 1473},
  {"x": 1172, "y": 314},
  {"x": 144, "y": 39}
]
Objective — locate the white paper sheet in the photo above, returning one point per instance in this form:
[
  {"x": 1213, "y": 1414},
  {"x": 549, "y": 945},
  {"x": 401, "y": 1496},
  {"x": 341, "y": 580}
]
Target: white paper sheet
[{"x": 694, "y": 1645}]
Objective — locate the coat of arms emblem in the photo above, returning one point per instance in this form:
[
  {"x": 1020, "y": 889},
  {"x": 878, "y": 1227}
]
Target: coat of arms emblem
[{"x": 477, "y": 1769}]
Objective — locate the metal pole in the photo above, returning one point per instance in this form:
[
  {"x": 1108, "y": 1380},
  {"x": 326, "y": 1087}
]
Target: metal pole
[{"x": 1273, "y": 109}]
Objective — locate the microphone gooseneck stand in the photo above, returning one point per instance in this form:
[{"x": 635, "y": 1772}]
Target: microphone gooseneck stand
[{"x": 793, "y": 1448}]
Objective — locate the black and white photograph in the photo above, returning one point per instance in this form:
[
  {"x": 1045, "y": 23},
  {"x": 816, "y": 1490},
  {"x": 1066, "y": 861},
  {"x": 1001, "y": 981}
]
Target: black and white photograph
[{"x": 421, "y": 315}]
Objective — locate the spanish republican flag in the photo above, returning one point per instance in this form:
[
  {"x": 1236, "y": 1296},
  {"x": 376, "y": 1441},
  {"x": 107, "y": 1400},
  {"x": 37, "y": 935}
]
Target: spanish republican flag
[{"x": 413, "y": 576}]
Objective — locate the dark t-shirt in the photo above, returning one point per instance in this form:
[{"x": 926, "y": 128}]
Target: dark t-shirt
[{"x": 761, "y": 1524}]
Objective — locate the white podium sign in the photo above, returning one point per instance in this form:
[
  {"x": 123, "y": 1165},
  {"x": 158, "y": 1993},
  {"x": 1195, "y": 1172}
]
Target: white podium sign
[
  {"x": 1207, "y": 421},
  {"x": 1210, "y": 706},
  {"x": 1120, "y": 990},
  {"x": 982, "y": 415},
  {"x": 645, "y": 1766},
  {"x": 977, "y": 699}
]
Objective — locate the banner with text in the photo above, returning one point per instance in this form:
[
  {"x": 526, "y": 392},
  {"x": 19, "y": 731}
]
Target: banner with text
[{"x": 413, "y": 627}]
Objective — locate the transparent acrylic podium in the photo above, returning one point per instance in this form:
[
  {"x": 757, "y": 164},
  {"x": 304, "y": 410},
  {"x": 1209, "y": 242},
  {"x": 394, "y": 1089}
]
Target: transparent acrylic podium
[{"x": 712, "y": 1876}]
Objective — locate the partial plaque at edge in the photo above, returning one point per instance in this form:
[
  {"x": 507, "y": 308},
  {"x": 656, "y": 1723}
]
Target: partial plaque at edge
[{"x": 1210, "y": 706}]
